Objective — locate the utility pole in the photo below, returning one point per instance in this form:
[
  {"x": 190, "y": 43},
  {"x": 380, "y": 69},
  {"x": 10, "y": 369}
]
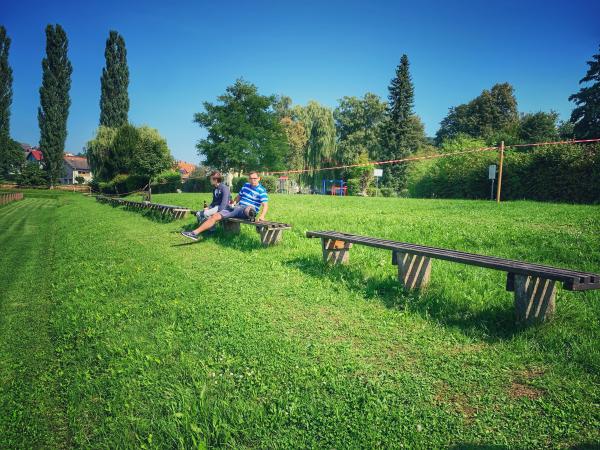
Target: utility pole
[{"x": 499, "y": 190}]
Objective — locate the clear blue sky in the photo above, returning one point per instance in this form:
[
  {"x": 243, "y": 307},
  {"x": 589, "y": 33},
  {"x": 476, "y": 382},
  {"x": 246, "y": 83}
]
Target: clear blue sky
[{"x": 183, "y": 53}]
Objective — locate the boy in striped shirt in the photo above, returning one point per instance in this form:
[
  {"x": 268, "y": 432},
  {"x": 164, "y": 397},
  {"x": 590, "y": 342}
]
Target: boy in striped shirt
[{"x": 251, "y": 199}]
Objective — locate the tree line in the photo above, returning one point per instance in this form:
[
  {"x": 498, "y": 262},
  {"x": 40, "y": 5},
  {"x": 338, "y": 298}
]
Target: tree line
[
  {"x": 119, "y": 148},
  {"x": 247, "y": 130}
]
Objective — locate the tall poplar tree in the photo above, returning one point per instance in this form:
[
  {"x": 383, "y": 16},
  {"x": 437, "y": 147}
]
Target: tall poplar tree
[
  {"x": 114, "y": 99},
  {"x": 403, "y": 132},
  {"x": 11, "y": 155},
  {"x": 6, "y": 80},
  {"x": 54, "y": 101}
]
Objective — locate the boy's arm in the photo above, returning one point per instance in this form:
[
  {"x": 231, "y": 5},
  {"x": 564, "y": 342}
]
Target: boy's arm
[
  {"x": 263, "y": 211},
  {"x": 225, "y": 198}
]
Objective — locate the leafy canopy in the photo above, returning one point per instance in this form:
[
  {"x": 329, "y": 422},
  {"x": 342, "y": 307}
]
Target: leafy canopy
[{"x": 243, "y": 131}]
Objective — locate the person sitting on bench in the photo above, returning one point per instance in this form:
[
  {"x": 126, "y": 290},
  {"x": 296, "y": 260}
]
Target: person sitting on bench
[
  {"x": 220, "y": 200},
  {"x": 251, "y": 199}
]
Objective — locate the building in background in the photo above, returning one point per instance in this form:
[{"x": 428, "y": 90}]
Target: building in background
[
  {"x": 75, "y": 166},
  {"x": 185, "y": 169}
]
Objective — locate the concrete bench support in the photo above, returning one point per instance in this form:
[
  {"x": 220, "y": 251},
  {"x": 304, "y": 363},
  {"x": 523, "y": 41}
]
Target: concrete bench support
[
  {"x": 335, "y": 252},
  {"x": 269, "y": 236},
  {"x": 413, "y": 270},
  {"x": 231, "y": 227},
  {"x": 534, "y": 298}
]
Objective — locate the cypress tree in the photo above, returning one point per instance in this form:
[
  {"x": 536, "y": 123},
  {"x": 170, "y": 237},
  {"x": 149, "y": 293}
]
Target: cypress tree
[
  {"x": 400, "y": 138},
  {"x": 114, "y": 100},
  {"x": 11, "y": 154},
  {"x": 6, "y": 80},
  {"x": 54, "y": 101}
]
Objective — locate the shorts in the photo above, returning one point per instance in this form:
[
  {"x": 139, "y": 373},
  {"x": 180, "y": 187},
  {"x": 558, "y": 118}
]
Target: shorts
[
  {"x": 236, "y": 213},
  {"x": 202, "y": 215}
]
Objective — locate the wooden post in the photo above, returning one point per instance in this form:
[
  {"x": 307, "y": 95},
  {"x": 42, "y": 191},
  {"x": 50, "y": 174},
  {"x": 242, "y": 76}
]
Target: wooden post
[
  {"x": 499, "y": 189},
  {"x": 534, "y": 299},
  {"x": 269, "y": 236}
]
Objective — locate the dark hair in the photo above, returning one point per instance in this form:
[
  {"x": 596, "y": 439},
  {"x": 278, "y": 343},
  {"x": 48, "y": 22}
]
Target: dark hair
[
  {"x": 254, "y": 171},
  {"x": 217, "y": 175}
]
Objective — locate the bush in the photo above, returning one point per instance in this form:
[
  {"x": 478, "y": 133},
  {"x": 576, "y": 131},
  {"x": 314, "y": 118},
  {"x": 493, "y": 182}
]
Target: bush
[
  {"x": 32, "y": 175},
  {"x": 167, "y": 182},
  {"x": 568, "y": 173},
  {"x": 389, "y": 192},
  {"x": 198, "y": 181},
  {"x": 353, "y": 186},
  {"x": 270, "y": 183},
  {"x": 238, "y": 183}
]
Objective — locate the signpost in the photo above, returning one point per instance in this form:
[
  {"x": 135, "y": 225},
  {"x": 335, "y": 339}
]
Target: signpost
[
  {"x": 492, "y": 176},
  {"x": 377, "y": 173}
]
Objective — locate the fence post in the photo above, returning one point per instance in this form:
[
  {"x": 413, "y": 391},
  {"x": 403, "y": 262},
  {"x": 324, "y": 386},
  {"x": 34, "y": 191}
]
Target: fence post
[{"x": 499, "y": 190}]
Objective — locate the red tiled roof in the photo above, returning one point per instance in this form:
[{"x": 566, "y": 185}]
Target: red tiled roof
[
  {"x": 185, "y": 168},
  {"x": 37, "y": 154}
]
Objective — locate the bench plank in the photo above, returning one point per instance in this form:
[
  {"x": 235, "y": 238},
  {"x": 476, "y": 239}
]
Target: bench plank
[{"x": 571, "y": 279}]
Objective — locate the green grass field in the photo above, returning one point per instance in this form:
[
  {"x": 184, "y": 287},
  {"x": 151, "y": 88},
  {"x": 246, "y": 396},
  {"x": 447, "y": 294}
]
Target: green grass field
[{"x": 117, "y": 332}]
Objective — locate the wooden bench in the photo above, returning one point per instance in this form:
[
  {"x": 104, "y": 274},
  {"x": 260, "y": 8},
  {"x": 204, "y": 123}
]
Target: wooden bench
[
  {"x": 270, "y": 232},
  {"x": 178, "y": 212},
  {"x": 534, "y": 285},
  {"x": 7, "y": 197}
]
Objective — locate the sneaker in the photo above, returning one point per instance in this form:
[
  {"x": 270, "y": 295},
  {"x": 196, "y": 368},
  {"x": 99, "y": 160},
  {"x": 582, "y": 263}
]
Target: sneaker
[
  {"x": 190, "y": 235},
  {"x": 251, "y": 214}
]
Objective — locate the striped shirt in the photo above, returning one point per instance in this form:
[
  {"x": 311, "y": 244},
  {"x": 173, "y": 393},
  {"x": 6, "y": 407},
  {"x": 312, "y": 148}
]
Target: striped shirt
[{"x": 253, "y": 196}]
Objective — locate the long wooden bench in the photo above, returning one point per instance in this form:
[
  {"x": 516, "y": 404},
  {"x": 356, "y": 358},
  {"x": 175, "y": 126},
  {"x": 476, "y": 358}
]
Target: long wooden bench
[
  {"x": 534, "y": 285},
  {"x": 270, "y": 232},
  {"x": 177, "y": 212},
  {"x": 7, "y": 197}
]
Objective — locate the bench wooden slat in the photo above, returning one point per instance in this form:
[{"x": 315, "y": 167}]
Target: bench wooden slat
[{"x": 572, "y": 280}]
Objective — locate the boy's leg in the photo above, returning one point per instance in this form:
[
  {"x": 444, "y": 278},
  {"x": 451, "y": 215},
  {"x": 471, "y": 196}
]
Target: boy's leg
[{"x": 208, "y": 223}]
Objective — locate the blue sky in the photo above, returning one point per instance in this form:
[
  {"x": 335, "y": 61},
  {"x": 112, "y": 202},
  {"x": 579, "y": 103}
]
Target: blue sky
[{"x": 183, "y": 53}]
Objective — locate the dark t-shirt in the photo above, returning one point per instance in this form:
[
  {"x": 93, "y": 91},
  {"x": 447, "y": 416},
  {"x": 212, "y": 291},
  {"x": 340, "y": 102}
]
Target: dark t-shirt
[{"x": 221, "y": 196}]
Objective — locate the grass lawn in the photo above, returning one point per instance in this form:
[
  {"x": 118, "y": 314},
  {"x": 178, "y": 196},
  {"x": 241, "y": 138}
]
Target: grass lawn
[{"x": 117, "y": 332}]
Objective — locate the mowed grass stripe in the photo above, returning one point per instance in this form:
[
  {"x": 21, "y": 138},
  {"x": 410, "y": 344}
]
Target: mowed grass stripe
[
  {"x": 331, "y": 350},
  {"x": 31, "y": 414},
  {"x": 163, "y": 343}
]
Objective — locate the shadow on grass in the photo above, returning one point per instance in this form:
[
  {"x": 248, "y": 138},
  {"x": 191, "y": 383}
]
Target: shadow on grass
[
  {"x": 244, "y": 242},
  {"x": 490, "y": 324}
]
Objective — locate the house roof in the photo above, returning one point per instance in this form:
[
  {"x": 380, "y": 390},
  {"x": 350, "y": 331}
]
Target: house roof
[
  {"x": 77, "y": 162},
  {"x": 185, "y": 168},
  {"x": 36, "y": 154}
]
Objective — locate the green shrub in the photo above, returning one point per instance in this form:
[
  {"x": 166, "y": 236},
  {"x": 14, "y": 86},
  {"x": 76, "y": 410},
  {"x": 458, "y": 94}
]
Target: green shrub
[
  {"x": 353, "y": 186},
  {"x": 567, "y": 173},
  {"x": 167, "y": 182},
  {"x": 238, "y": 183},
  {"x": 32, "y": 175},
  {"x": 388, "y": 192},
  {"x": 198, "y": 181},
  {"x": 270, "y": 183}
]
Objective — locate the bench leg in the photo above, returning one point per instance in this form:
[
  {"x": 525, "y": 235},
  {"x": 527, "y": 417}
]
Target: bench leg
[
  {"x": 534, "y": 299},
  {"x": 413, "y": 270},
  {"x": 269, "y": 237},
  {"x": 335, "y": 252},
  {"x": 231, "y": 227}
]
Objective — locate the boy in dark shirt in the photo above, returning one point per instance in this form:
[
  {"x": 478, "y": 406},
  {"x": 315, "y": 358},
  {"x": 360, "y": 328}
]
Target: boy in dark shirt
[{"x": 220, "y": 200}]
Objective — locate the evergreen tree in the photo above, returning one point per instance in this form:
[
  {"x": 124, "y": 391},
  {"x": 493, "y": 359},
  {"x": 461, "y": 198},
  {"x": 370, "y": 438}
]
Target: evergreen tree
[
  {"x": 5, "y": 85},
  {"x": 11, "y": 155},
  {"x": 114, "y": 99},
  {"x": 403, "y": 133},
  {"x": 586, "y": 116},
  {"x": 54, "y": 101}
]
